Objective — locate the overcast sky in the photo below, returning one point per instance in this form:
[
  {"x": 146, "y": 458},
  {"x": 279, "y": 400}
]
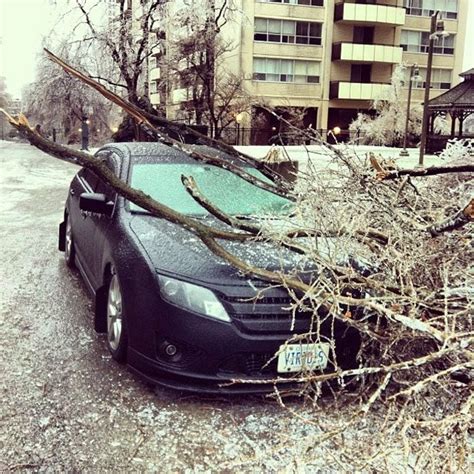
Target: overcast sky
[{"x": 24, "y": 22}]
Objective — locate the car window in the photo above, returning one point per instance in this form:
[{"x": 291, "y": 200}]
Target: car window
[
  {"x": 97, "y": 185},
  {"x": 227, "y": 191},
  {"x": 89, "y": 179}
]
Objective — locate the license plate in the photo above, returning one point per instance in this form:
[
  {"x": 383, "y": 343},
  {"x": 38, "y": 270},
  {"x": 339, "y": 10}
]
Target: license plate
[{"x": 301, "y": 357}]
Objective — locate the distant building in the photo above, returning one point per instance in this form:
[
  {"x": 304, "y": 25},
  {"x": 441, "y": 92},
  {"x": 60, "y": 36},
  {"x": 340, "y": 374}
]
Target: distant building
[
  {"x": 328, "y": 57},
  {"x": 15, "y": 107}
]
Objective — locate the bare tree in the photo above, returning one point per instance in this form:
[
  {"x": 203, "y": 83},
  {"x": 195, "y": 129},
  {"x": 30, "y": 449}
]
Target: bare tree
[
  {"x": 387, "y": 125},
  {"x": 58, "y": 100},
  {"x": 4, "y": 96},
  {"x": 125, "y": 36},
  {"x": 196, "y": 63}
]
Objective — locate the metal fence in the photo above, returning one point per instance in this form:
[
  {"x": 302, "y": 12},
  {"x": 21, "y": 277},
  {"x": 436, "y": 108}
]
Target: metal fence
[{"x": 271, "y": 136}]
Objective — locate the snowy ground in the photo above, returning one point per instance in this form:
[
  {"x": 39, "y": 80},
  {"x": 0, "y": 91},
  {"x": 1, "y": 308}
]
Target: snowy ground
[
  {"x": 66, "y": 406},
  {"x": 319, "y": 156}
]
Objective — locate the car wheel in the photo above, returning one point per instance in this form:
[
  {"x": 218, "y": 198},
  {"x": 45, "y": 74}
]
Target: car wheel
[
  {"x": 69, "y": 250},
  {"x": 117, "y": 339}
]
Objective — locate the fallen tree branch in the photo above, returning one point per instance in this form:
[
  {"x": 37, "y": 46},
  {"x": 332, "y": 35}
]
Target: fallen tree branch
[
  {"x": 432, "y": 378},
  {"x": 384, "y": 369},
  {"x": 456, "y": 221},
  {"x": 384, "y": 175},
  {"x": 137, "y": 197},
  {"x": 209, "y": 235},
  {"x": 148, "y": 121},
  {"x": 191, "y": 187}
]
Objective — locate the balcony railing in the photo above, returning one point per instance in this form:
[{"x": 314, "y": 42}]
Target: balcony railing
[
  {"x": 369, "y": 14},
  {"x": 375, "y": 53},
  {"x": 179, "y": 95},
  {"x": 427, "y": 12},
  {"x": 155, "y": 74},
  {"x": 357, "y": 90}
]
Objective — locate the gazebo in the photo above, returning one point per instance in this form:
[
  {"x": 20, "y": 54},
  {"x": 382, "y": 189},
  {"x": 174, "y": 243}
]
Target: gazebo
[{"x": 458, "y": 102}]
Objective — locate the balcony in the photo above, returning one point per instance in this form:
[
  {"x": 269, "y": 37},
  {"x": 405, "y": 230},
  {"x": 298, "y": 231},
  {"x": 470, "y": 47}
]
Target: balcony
[
  {"x": 179, "y": 95},
  {"x": 155, "y": 98},
  {"x": 155, "y": 74},
  {"x": 357, "y": 90},
  {"x": 373, "y": 53},
  {"x": 355, "y": 13}
]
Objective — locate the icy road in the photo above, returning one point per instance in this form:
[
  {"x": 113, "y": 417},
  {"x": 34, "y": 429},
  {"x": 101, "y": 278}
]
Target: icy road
[{"x": 67, "y": 406}]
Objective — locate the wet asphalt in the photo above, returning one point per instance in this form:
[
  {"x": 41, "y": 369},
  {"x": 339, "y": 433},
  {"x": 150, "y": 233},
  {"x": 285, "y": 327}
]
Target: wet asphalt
[{"x": 66, "y": 405}]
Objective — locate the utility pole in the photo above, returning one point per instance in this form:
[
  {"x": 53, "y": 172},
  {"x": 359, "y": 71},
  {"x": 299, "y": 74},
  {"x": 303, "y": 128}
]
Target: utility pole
[
  {"x": 414, "y": 76},
  {"x": 436, "y": 32}
]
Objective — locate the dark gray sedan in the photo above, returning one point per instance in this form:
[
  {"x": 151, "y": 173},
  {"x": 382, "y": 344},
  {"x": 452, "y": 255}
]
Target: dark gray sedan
[{"x": 174, "y": 312}]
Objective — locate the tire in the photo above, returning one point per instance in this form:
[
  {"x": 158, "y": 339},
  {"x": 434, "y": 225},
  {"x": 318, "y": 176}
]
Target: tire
[
  {"x": 117, "y": 339},
  {"x": 69, "y": 249}
]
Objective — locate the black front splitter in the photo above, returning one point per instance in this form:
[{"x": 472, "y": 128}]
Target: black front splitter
[{"x": 147, "y": 370}]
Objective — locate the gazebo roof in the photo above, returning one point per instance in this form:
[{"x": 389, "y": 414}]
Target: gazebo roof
[
  {"x": 468, "y": 73},
  {"x": 460, "y": 97}
]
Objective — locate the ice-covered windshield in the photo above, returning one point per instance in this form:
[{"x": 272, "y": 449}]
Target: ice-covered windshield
[{"x": 228, "y": 192}]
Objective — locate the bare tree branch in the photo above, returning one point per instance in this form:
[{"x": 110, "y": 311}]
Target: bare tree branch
[
  {"x": 144, "y": 121},
  {"x": 422, "y": 172},
  {"x": 456, "y": 221}
]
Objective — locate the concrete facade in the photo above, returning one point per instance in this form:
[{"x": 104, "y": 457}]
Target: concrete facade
[{"x": 361, "y": 42}]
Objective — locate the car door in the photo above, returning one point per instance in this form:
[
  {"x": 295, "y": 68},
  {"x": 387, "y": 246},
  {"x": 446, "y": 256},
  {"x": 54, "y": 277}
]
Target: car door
[
  {"x": 82, "y": 226},
  {"x": 103, "y": 223},
  {"x": 89, "y": 229}
]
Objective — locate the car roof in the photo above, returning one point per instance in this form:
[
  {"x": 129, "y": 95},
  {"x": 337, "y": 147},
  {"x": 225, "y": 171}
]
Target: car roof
[{"x": 155, "y": 152}]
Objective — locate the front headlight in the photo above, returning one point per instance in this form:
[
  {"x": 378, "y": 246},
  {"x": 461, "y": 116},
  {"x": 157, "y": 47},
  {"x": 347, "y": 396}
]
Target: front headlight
[{"x": 193, "y": 297}]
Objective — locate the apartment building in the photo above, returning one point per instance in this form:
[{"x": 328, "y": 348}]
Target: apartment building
[{"x": 330, "y": 58}]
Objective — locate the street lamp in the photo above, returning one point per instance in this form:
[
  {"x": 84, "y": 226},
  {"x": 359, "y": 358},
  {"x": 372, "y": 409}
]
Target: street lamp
[
  {"x": 414, "y": 77},
  {"x": 436, "y": 31},
  {"x": 238, "y": 120},
  {"x": 85, "y": 122}
]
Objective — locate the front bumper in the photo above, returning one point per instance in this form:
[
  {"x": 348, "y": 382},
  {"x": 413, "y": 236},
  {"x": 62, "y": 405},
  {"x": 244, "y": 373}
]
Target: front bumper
[
  {"x": 210, "y": 353},
  {"x": 148, "y": 370}
]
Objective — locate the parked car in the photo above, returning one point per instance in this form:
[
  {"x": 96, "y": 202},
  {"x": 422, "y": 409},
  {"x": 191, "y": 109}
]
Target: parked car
[{"x": 173, "y": 311}]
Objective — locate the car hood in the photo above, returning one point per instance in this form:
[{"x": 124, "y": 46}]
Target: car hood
[{"x": 176, "y": 251}]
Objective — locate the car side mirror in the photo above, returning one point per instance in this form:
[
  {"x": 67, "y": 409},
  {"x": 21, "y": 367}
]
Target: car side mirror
[{"x": 95, "y": 202}]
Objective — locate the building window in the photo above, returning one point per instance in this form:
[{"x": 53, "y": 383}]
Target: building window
[
  {"x": 283, "y": 31},
  {"x": 286, "y": 70},
  {"x": 418, "y": 42},
  {"x": 311, "y": 3},
  {"x": 440, "y": 79},
  {"x": 447, "y": 8}
]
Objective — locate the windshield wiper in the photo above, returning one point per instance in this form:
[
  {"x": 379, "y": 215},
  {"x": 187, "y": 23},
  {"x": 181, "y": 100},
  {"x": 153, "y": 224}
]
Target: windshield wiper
[{"x": 245, "y": 217}]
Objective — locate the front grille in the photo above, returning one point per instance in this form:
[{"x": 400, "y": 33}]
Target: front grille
[
  {"x": 265, "y": 313},
  {"x": 252, "y": 364},
  {"x": 272, "y": 317},
  {"x": 280, "y": 300}
]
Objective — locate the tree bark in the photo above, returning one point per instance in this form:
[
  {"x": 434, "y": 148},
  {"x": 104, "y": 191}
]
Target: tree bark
[{"x": 456, "y": 221}]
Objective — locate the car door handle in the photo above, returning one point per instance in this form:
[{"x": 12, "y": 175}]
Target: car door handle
[{"x": 71, "y": 192}]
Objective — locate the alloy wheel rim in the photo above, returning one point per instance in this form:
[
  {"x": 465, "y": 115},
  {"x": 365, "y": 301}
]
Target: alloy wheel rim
[
  {"x": 68, "y": 239},
  {"x": 114, "y": 314}
]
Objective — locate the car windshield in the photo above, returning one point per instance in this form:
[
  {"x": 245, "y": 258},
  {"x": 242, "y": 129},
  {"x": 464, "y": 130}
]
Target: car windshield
[{"x": 228, "y": 192}]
